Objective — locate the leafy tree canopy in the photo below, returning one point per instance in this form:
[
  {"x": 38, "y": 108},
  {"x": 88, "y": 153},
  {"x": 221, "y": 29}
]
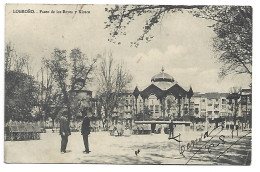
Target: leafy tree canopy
[{"x": 20, "y": 91}]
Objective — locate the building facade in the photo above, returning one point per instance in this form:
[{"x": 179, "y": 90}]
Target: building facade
[
  {"x": 124, "y": 111},
  {"x": 213, "y": 105},
  {"x": 219, "y": 107}
]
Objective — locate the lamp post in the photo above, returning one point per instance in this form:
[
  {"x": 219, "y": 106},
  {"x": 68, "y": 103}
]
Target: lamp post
[
  {"x": 189, "y": 95},
  {"x": 179, "y": 104}
]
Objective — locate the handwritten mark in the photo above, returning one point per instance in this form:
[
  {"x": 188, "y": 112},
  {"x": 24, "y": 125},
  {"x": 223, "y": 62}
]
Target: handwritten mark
[
  {"x": 174, "y": 138},
  {"x": 212, "y": 145},
  {"x": 204, "y": 144},
  {"x": 232, "y": 145}
]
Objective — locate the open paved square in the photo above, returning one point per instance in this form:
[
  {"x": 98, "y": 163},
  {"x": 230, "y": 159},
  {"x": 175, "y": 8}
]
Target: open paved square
[{"x": 154, "y": 149}]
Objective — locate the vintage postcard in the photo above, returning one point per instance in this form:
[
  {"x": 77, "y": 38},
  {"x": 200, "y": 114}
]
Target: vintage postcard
[{"x": 128, "y": 84}]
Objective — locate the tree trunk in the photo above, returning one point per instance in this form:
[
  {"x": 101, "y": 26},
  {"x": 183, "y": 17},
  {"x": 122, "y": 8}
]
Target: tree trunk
[{"x": 66, "y": 100}]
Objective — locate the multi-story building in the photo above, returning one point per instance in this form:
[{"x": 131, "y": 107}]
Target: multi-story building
[
  {"x": 245, "y": 107},
  {"x": 218, "y": 106},
  {"x": 124, "y": 111},
  {"x": 213, "y": 105}
]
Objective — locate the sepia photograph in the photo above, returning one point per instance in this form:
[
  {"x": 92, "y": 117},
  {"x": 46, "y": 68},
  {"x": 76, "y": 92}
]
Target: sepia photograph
[{"x": 128, "y": 84}]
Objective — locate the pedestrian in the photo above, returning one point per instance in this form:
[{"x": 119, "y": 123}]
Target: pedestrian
[
  {"x": 171, "y": 129},
  {"x": 85, "y": 131},
  {"x": 64, "y": 131}
]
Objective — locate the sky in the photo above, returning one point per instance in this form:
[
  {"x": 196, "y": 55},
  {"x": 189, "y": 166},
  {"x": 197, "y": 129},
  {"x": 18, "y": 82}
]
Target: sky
[{"x": 182, "y": 44}]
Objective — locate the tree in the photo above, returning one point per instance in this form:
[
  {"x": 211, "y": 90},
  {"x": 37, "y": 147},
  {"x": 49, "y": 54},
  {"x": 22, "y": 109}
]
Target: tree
[
  {"x": 233, "y": 28},
  {"x": 20, "y": 91},
  {"x": 16, "y": 61},
  {"x": 46, "y": 93},
  {"x": 233, "y": 43},
  {"x": 50, "y": 97},
  {"x": 58, "y": 66},
  {"x": 81, "y": 69},
  {"x": 52, "y": 110},
  {"x": 9, "y": 52},
  {"x": 121, "y": 16},
  {"x": 113, "y": 79},
  {"x": 233, "y": 97}
]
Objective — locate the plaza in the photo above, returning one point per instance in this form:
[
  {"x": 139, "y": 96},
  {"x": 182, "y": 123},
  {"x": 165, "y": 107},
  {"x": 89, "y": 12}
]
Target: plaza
[{"x": 106, "y": 149}]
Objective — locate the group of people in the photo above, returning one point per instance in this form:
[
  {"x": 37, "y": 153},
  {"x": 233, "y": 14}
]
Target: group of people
[
  {"x": 85, "y": 131},
  {"x": 65, "y": 132}
]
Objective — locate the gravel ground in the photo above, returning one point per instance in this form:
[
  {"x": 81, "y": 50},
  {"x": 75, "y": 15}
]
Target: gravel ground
[{"x": 222, "y": 149}]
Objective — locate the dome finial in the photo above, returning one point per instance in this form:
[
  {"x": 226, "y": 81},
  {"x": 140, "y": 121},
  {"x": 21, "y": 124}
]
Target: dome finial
[{"x": 162, "y": 69}]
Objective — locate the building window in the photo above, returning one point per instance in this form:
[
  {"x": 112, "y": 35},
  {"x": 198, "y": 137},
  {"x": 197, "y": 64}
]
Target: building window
[
  {"x": 151, "y": 108},
  {"x": 224, "y": 101},
  {"x": 245, "y": 100},
  {"x": 249, "y": 98},
  {"x": 216, "y": 106},
  {"x": 210, "y": 104},
  {"x": 186, "y": 111},
  {"x": 126, "y": 102},
  {"x": 196, "y": 110},
  {"x": 203, "y": 100},
  {"x": 209, "y": 112},
  {"x": 156, "y": 108}
]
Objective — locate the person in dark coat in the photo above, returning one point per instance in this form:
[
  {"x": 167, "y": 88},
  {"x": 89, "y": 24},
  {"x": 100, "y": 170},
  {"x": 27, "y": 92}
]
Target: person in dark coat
[
  {"x": 64, "y": 132},
  {"x": 171, "y": 129},
  {"x": 85, "y": 131}
]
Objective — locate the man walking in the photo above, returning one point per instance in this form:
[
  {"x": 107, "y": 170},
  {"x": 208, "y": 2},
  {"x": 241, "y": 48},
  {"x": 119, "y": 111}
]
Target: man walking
[
  {"x": 64, "y": 131},
  {"x": 85, "y": 131},
  {"x": 171, "y": 129}
]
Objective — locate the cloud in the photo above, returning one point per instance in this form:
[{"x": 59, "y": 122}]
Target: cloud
[
  {"x": 175, "y": 61},
  {"x": 187, "y": 67}
]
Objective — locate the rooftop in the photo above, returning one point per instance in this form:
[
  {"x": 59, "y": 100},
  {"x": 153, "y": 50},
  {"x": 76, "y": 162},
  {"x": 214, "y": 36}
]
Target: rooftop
[{"x": 162, "y": 77}]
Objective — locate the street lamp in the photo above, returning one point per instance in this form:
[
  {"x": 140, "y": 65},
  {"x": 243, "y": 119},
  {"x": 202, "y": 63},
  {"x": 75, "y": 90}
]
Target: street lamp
[{"x": 179, "y": 104}]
